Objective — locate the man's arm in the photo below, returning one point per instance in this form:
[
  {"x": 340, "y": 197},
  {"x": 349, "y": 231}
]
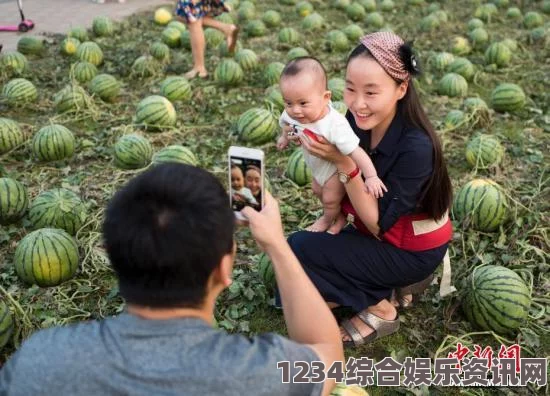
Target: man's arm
[{"x": 307, "y": 316}]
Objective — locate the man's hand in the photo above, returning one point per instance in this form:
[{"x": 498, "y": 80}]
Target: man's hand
[{"x": 266, "y": 226}]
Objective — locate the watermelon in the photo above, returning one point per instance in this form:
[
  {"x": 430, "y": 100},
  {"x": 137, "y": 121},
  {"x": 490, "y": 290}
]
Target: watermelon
[
  {"x": 274, "y": 96},
  {"x": 213, "y": 37},
  {"x": 348, "y": 390},
  {"x": 387, "y": 5},
  {"x": 454, "y": 119},
  {"x": 441, "y": 60},
  {"x": 176, "y": 88},
  {"x": 175, "y": 153},
  {"x": 463, "y": 67},
  {"x": 78, "y": 33},
  {"x": 297, "y": 169},
  {"x": 228, "y": 73},
  {"x": 538, "y": 34},
  {"x": 510, "y": 43},
  {"x": 19, "y": 92},
  {"x": 13, "y": 200},
  {"x": 247, "y": 59},
  {"x": 337, "y": 41},
  {"x": 145, "y": 66},
  {"x": 353, "y": 32},
  {"x": 103, "y": 26},
  {"x": 69, "y": 46},
  {"x": 132, "y": 152},
  {"x": 288, "y": 36},
  {"x": 452, "y": 85},
  {"x": 313, "y": 22},
  {"x": 475, "y": 104},
  {"x": 72, "y": 98},
  {"x": 374, "y": 20},
  {"x": 177, "y": 25},
  {"x": 486, "y": 12},
  {"x": 271, "y": 18},
  {"x": 160, "y": 52},
  {"x": 501, "y": 3},
  {"x": 273, "y": 72},
  {"x": 224, "y": 51},
  {"x": 415, "y": 2},
  {"x": 90, "y": 52},
  {"x": 479, "y": 37},
  {"x": 266, "y": 272},
  {"x": 58, "y": 208},
  {"x": 83, "y": 71},
  {"x": 513, "y": 13},
  {"x": 53, "y": 143},
  {"x": 296, "y": 53},
  {"x": 356, "y": 12},
  {"x": 6, "y": 324},
  {"x": 155, "y": 112},
  {"x": 433, "y": 7},
  {"x": 46, "y": 257},
  {"x": 546, "y": 7},
  {"x": 368, "y": 5},
  {"x": 255, "y": 28},
  {"x": 533, "y": 19},
  {"x": 496, "y": 299},
  {"x": 105, "y": 86},
  {"x": 484, "y": 151},
  {"x": 340, "y": 107},
  {"x": 460, "y": 46},
  {"x": 11, "y": 135},
  {"x": 429, "y": 23},
  {"x": 304, "y": 8},
  {"x": 498, "y": 54},
  {"x": 162, "y": 16},
  {"x": 288, "y": 2},
  {"x": 341, "y": 4},
  {"x": 336, "y": 86},
  {"x": 475, "y": 23},
  {"x": 13, "y": 63},
  {"x": 507, "y": 97},
  {"x": 29, "y": 45},
  {"x": 257, "y": 126},
  {"x": 171, "y": 36},
  {"x": 246, "y": 13},
  {"x": 483, "y": 203}
]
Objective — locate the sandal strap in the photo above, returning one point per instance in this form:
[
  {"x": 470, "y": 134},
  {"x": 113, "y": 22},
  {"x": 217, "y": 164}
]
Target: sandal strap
[
  {"x": 382, "y": 327},
  {"x": 353, "y": 332}
]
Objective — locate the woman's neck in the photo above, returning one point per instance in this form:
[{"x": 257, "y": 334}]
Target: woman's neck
[{"x": 378, "y": 132}]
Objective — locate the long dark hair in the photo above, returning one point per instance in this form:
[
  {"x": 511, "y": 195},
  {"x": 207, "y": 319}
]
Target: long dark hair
[{"x": 437, "y": 194}]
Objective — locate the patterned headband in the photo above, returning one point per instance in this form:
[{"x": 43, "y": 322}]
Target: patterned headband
[{"x": 385, "y": 47}]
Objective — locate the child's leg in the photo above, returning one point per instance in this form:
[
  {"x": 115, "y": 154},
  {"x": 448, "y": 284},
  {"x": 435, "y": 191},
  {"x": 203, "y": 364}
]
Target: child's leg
[
  {"x": 317, "y": 189},
  {"x": 230, "y": 31},
  {"x": 197, "y": 48},
  {"x": 332, "y": 193}
]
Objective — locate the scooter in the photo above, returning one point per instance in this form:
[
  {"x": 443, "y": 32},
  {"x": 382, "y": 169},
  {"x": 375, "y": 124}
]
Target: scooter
[{"x": 24, "y": 26}]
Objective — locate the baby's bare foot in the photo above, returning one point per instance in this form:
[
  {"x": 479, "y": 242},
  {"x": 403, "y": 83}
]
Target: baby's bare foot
[
  {"x": 338, "y": 224},
  {"x": 321, "y": 225}
]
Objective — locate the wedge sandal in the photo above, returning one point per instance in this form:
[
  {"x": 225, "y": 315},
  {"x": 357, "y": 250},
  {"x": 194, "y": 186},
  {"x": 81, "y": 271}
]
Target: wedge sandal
[
  {"x": 381, "y": 327},
  {"x": 415, "y": 289}
]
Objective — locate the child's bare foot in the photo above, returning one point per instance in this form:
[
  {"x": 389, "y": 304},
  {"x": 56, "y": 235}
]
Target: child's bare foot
[
  {"x": 196, "y": 72},
  {"x": 321, "y": 224},
  {"x": 232, "y": 38},
  {"x": 338, "y": 224}
]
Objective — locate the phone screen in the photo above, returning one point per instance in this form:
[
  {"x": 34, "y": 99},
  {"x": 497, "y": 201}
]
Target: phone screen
[{"x": 246, "y": 183}]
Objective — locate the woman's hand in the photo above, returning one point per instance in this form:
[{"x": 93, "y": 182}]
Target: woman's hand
[{"x": 323, "y": 149}]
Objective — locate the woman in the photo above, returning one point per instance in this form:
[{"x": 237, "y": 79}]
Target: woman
[
  {"x": 401, "y": 238},
  {"x": 253, "y": 181}
]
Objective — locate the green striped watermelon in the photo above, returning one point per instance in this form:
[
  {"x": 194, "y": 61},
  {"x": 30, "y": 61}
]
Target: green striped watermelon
[
  {"x": 337, "y": 41},
  {"x": 132, "y": 152},
  {"x": 83, "y": 71},
  {"x": 368, "y": 5},
  {"x": 266, "y": 272},
  {"x": 175, "y": 153},
  {"x": 510, "y": 43},
  {"x": 356, "y": 12},
  {"x": 460, "y": 46},
  {"x": 46, "y": 257},
  {"x": 247, "y": 59},
  {"x": 53, "y": 143},
  {"x": 429, "y": 23},
  {"x": 275, "y": 97},
  {"x": 13, "y": 63},
  {"x": 90, "y": 52},
  {"x": 228, "y": 73},
  {"x": 442, "y": 16},
  {"x": 313, "y": 21},
  {"x": 475, "y": 105},
  {"x": 176, "y": 88},
  {"x": 441, "y": 60},
  {"x": 105, "y": 86},
  {"x": 483, "y": 203},
  {"x": 272, "y": 73},
  {"x": 145, "y": 66},
  {"x": 498, "y": 54},
  {"x": 496, "y": 299},
  {"x": 257, "y": 126},
  {"x": 177, "y": 25},
  {"x": 341, "y": 4},
  {"x": 213, "y": 37},
  {"x": 452, "y": 85},
  {"x": 69, "y": 46},
  {"x": 296, "y": 52},
  {"x": 80, "y": 33},
  {"x": 29, "y": 45},
  {"x": 255, "y": 28},
  {"x": 533, "y": 19},
  {"x": 6, "y": 324},
  {"x": 19, "y": 91},
  {"x": 387, "y": 5},
  {"x": 103, "y": 26},
  {"x": 271, "y": 18},
  {"x": 336, "y": 86},
  {"x": 486, "y": 12},
  {"x": 463, "y": 67},
  {"x": 58, "y": 208},
  {"x": 374, "y": 20},
  {"x": 11, "y": 135},
  {"x": 224, "y": 51},
  {"x": 479, "y": 37},
  {"x": 72, "y": 98},
  {"x": 353, "y": 32},
  {"x": 225, "y": 18},
  {"x": 156, "y": 112},
  {"x": 171, "y": 36},
  {"x": 454, "y": 119},
  {"x": 507, "y": 97},
  {"x": 160, "y": 52},
  {"x": 288, "y": 36},
  {"x": 475, "y": 23},
  {"x": 297, "y": 169},
  {"x": 13, "y": 200},
  {"x": 246, "y": 13},
  {"x": 304, "y": 8},
  {"x": 484, "y": 151}
]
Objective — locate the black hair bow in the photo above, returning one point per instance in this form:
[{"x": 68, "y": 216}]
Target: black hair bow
[{"x": 408, "y": 58}]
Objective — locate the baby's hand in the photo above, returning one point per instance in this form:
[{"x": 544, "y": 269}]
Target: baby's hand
[
  {"x": 282, "y": 142},
  {"x": 375, "y": 187}
]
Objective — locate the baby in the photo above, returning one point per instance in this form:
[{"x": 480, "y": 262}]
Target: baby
[
  {"x": 303, "y": 85},
  {"x": 242, "y": 196}
]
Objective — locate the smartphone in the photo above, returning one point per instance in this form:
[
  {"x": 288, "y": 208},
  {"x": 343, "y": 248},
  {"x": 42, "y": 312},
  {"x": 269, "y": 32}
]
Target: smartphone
[{"x": 246, "y": 179}]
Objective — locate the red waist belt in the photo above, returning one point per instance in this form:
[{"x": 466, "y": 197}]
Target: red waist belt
[{"x": 415, "y": 232}]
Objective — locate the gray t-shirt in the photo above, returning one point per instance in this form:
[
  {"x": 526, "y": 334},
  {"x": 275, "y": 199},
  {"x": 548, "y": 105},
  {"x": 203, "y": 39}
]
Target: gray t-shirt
[{"x": 128, "y": 355}]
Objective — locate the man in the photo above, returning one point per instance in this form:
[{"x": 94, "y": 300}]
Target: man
[{"x": 169, "y": 236}]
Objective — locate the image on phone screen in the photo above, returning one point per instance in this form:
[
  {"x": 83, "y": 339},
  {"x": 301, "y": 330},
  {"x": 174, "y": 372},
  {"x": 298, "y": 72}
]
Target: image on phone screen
[{"x": 246, "y": 183}]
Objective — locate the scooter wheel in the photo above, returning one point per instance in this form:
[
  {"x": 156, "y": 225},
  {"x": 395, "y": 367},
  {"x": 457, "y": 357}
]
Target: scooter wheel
[{"x": 23, "y": 27}]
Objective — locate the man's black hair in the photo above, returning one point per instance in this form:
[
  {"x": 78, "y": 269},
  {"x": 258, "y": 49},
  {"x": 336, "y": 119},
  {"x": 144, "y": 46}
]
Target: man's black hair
[
  {"x": 165, "y": 232},
  {"x": 303, "y": 63}
]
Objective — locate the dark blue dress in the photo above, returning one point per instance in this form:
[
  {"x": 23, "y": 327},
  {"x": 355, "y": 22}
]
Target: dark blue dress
[{"x": 352, "y": 269}]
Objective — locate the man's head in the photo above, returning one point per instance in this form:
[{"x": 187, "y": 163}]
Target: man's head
[
  {"x": 304, "y": 88},
  {"x": 166, "y": 232}
]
